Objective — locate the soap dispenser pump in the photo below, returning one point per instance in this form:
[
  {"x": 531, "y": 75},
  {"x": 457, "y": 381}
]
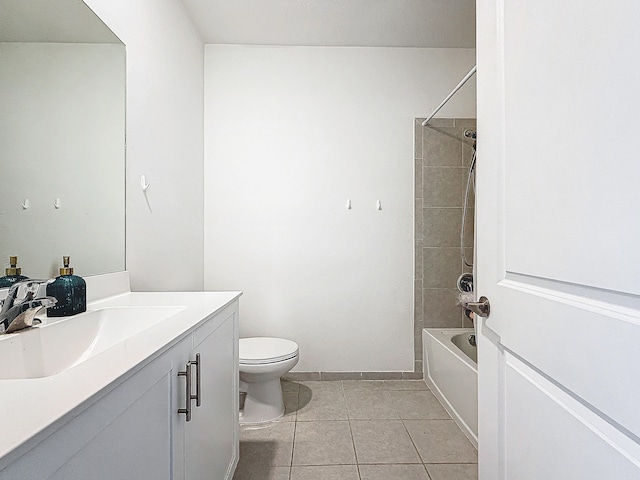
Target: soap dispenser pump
[
  {"x": 70, "y": 290},
  {"x": 13, "y": 273}
]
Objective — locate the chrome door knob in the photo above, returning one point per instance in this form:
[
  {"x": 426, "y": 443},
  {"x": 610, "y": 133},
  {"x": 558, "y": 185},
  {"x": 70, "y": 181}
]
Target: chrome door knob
[{"x": 481, "y": 308}]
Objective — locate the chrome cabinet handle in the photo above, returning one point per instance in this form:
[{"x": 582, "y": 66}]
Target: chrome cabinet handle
[
  {"x": 197, "y": 397},
  {"x": 188, "y": 396},
  {"x": 481, "y": 308}
]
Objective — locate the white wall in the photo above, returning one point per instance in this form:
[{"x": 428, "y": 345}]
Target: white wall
[
  {"x": 292, "y": 133},
  {"x": 62, "y": 136},
  {"x": 164, "y": 141}
]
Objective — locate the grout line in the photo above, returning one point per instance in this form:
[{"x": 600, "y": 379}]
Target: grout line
[
  {"x": 426, "y": 470},
  {"x": 353, "y": 442},
  {"x": 413, "y": 443},
  {"x": 295, "y": 428}
]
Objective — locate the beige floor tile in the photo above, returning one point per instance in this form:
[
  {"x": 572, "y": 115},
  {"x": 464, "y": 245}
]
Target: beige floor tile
[
  {"x": 373, "y": 404},
  {"x": 419, "y": 405},
  {"x": 441, "y": 441},
  {"x": 383, "y": 441},
  {"x": 289, "y": 386},
  {"x": 290, "y": 406},
  {"x": 405, "y": 385},
  {"x": 349, "y": 385},
  {"x": 321, "y": 386},
  {"x": 271, "y": 445},
  {"x": 321, "y": 404},
  {"x": 260, "y": 472},
  {"x": 393, "y": 472},
  {"x": 330, "y": 472},
  {"x": 453, "y": 472},
  {"x": 323, "y": 443}
]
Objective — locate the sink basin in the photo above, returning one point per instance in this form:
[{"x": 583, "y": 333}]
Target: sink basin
[{"x": 49, "y": 349}]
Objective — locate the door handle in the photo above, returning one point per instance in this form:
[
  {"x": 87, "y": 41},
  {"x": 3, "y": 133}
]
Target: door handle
[
  {"x": 187, "y": 410},
  {"x": 197, "y": 397},
  {"x": 481, "y": 308}
]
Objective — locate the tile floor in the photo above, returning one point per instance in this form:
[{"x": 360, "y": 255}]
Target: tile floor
[{"x": 358, "y": 430}]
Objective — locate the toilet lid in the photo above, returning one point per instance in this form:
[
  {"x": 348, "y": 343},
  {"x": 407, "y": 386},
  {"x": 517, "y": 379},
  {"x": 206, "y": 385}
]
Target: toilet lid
[{"x": 260, "y": 350}]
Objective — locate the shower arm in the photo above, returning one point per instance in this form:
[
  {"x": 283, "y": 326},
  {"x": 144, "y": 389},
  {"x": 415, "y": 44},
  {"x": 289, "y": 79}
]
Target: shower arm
[{"x": 453, "y": 92}]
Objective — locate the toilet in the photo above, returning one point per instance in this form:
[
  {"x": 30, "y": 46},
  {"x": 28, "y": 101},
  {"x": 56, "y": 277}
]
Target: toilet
[{"x": 263, "y": 360}]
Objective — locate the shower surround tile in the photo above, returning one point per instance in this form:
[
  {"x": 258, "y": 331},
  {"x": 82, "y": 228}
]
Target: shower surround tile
[
  {"x": 418, "y": 222},
  {"x": 442, "y": 227},
  {"x": 417, "y": 302},
  {"x": 441, "y": 308},
  {"x": 465, "y": 122},
  {"x": 442, "y": 186},
  {"x": 445, "y": 155},
  {"x": 441, "y": 146},
  {"x": 440, "y": 122},
  {"x": 418, "y": 178},
  {"x": 441, "y": 267}
]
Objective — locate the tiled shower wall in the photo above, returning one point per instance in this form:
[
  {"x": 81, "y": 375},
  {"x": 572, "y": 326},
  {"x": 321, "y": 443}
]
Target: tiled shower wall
[{"x": 442, "y": 158}]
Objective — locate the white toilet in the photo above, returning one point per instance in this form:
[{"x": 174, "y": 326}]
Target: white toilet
[{"x": 263, "y": 360}]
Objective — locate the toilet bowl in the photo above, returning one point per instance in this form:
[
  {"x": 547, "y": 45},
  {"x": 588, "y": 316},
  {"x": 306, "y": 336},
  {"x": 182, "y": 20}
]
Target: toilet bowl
[{"x": 263, "y": 360}]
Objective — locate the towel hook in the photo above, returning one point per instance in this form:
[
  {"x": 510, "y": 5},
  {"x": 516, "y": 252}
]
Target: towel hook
[{"x": 143, "y": 183}]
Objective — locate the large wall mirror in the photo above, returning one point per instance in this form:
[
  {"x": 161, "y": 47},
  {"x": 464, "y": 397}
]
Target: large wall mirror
[{"x": 62, "y": 139}]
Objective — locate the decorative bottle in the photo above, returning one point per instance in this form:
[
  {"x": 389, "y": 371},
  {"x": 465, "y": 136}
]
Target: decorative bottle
[
  {"x": 70, "y": 290},
  {"x": 13, "y": 274}
]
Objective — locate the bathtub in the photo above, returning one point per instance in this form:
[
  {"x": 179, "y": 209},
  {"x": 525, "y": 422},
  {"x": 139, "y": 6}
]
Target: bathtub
[{"x": 451, "y": 372}]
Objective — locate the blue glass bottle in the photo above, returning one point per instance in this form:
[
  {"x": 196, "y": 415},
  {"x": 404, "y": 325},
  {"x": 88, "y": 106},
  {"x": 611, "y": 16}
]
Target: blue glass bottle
[
  {"x": 13, "y": 274},
  {"x": 70, "y": 290}
]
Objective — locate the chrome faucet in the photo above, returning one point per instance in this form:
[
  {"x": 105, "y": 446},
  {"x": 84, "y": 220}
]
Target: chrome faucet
[{"x": 21, "y": 305}]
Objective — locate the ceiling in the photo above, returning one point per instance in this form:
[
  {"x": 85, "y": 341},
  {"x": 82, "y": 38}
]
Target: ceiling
[
  {"x": 369, "y": 23},
  {"x": 55, "y": 21}
]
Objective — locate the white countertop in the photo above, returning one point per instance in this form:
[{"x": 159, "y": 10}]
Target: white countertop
[{"x": 34, "y": 408}]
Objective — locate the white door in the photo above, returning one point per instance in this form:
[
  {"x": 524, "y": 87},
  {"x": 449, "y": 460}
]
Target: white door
[{"x": 558, "y": 231}]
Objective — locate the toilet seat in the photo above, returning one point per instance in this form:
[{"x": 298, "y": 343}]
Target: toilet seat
[{"x": 266, "y": 350}]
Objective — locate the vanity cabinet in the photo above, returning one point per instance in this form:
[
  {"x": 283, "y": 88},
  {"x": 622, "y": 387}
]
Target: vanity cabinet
[
  {"x": 206, "y": 447},
  {"x": 134, "y": 429}
]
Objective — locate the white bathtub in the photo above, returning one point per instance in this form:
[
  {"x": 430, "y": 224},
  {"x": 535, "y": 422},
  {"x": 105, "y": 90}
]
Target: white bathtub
[{"x": 451, "y": 372}]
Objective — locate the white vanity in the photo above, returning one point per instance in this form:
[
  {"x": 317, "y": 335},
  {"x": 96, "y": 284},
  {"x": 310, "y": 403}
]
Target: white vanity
[{"x": 117, "y": 406}]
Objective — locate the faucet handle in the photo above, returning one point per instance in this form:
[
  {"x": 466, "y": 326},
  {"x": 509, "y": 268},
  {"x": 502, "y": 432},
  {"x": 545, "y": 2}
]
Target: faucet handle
[{"x": 24, "y": 290}]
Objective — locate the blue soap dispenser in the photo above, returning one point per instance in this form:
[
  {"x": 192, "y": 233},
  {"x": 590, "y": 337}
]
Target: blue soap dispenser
[
  {"x": 13, "y": 274},
  {"x": 70, "y": 290}
]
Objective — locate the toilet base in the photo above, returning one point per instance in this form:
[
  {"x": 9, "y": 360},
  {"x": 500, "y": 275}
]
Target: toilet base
[{"x": 264, "y": 402}]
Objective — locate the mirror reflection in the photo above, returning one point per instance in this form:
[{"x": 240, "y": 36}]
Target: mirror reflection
[{"x": 62, "y": 131}]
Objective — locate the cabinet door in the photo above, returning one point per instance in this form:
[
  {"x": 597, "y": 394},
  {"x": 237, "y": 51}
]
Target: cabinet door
[
  {"x": 125, "y": 434},
  {"x": 211, "y": 437}
]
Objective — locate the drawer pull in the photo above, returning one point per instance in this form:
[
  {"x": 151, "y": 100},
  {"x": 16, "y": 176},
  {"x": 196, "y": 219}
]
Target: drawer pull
[
  {"x": 187, "y": 410},
  {"x": 198, "y": 396}
]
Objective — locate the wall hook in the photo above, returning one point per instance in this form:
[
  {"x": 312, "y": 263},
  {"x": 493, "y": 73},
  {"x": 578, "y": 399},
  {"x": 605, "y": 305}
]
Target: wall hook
[
  {"x": 143, "y": 183},
  {"x": 379, "y": 205},
  {"x": 57, "y": 203},
  {"x": 25, "y": 204},
  {"x": 349, "y": 204}
]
